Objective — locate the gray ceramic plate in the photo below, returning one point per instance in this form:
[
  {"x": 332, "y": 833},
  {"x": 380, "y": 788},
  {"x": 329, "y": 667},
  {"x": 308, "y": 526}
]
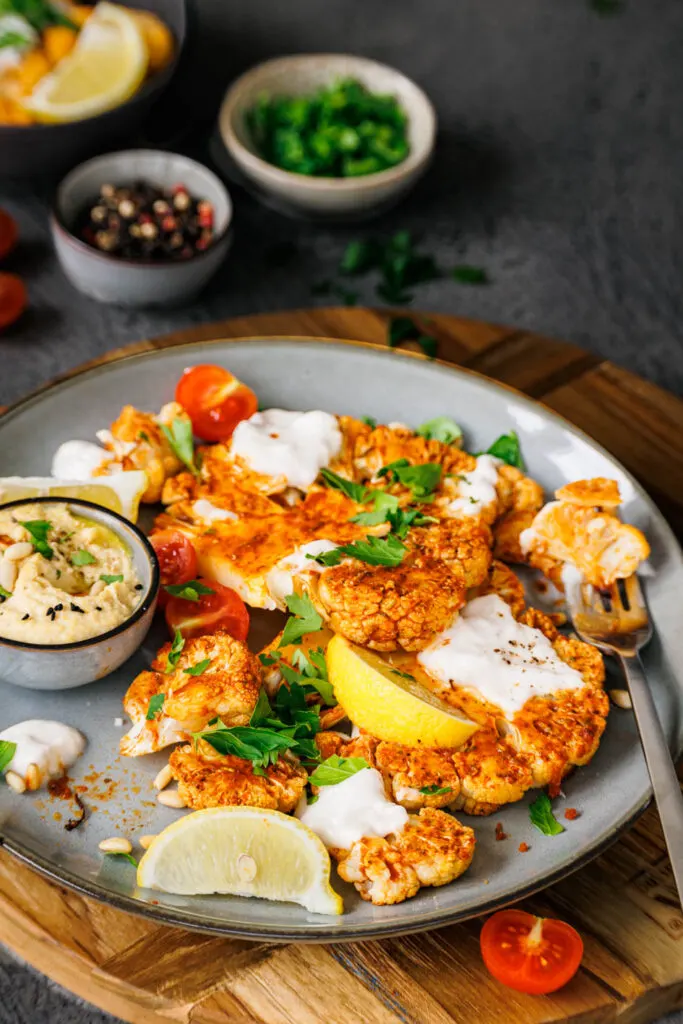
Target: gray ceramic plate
[{"x": 360, "y": 380}]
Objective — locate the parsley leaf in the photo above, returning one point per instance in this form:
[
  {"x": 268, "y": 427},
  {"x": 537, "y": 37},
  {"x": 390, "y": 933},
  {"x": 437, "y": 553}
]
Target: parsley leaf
[
  {"x": 441, "y": 428},
  {"x": 311, "y": 673},
  {"x": 259, "y": 745},
  {"x": 179, "y": 436},
  {"x": 422, "y": 479},
  {"x": 303, "y": 619},
  {"x": 176, "y": 650},
  {"x": 357, "y": 492},
  {"x": 369, "y": 421},
  {"x": 541, "y": 815},
  {"x": 267, "y": 660},
  {"x": 82, "y": 557},
  {"x": 383, "y": 503},
  {"x": 466, "y": 274},
  {"x": 388, "y": 551},
  {"x": 126, "y": 856},
  {"x": 199, "y": 668},
  {"x": 401, "y": 328},
  {"x": 402, "y": 675},
  {"x": 336, "y": 769},
  {"x": 435, "y": 790},
  {"x": 189, "y": 591},
  {"x": 117, "y": 578},
  {"x": 155, "y": 705},
  {"x": 7, "y": 752},
  {"x": 360, "y": 256},
  {"x": 13, "y": 39},
  {"x": 404, "y": 518},
  {"x": 606, "y": 8},
  {"x": 4, "y": 594},
  {"x": 507, "y": 448},
  {"x": 39, "y": 529}
]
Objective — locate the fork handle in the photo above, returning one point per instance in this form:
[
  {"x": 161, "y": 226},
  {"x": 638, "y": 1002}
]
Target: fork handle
[{"x": 665, "y": 784}]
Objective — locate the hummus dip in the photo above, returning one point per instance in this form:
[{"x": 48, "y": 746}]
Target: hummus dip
[{"x": 63, "y": 577}]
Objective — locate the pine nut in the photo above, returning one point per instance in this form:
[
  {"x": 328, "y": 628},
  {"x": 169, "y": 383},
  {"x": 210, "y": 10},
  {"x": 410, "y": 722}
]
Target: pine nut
[
  {"x": 15, "y": 552},
  {"x": 146, "y": 841},
  {"x": 117, "y": 844},
  {"x": 164, "y": 777},
  {"x": 246, "y": 868},
  {"x": 622, "y": 698},
  {"x": 15, "y": 782},
  {"x": 34, "y": 777},
  {"x": 8, "y": 574},
  {"x": 171, "y": 798}
]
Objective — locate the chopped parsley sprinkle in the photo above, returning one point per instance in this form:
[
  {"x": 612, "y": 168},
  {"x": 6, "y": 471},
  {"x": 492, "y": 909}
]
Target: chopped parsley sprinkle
[
  {"x": 7, "y": 752},
  {"x": 388, "y": 551},
  {"x": 541, "y": 815},
  {"x": 302, "y": 620},
  {"x": 39, "y": 529},
  {"x": 337, "y": 769},
  {"x": 199, "y": 668},
  {"x": 189, "y": 591},
  {"x": 156, "y": 703},
  {"x": 176, "y": 650},
  {"x": 435, "y": 790},
  {"x": 179, "y": 437},
  {"x": 113, "y": 578},
  {"x": 82, "y": 557}
]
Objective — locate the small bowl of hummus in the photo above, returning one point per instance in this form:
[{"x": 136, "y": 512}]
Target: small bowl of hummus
[{"x": 78, "y": 589}]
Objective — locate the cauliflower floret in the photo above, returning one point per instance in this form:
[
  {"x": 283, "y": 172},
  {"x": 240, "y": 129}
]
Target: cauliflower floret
[
  {"x": 490, "y": 773},
  {"x": 433, "y": 848},
  {"x": 227, "y": 688},
  {"x": 208, "y": 779},
  {"x": 387, "y": 608},
  {"x": 464, "y": 543},
  {"x": 504, "y": 582},
  {"x": 376, "y": 448},
  {"x": 405, "y": 770},
  {"x": 596, "y": 542},
  {"x": 137, "y": 441}
]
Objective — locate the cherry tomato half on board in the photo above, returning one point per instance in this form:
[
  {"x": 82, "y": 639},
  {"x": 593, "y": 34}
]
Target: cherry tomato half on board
[
  {"x": 12, "y": 299},
  {"x": 8, "y": 233},
  {"x": 177, "y": 560},
  {"x": 536, "y": 955},
  {"x": 221, "y": 609},
  {"x": 214, "y": 400}
]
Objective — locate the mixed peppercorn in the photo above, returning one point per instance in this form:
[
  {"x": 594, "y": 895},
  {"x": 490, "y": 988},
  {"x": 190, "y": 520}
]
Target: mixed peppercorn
[{"x": 145, "y": 222}]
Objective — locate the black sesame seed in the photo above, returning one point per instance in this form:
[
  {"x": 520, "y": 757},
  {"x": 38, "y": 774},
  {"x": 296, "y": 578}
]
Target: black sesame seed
[
  {"x": 50, "y": 611},
  {"x": 59, "y": 607},
  {"x": 75, "y": 608},
  {"x": 138, "y": 586},
  {"x": 97, "y": 608},
  {"x": 25, "y": 617}
]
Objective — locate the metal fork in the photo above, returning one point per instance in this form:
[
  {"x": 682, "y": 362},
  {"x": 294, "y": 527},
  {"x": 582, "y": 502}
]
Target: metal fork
[{"x": 617, "y": 622}]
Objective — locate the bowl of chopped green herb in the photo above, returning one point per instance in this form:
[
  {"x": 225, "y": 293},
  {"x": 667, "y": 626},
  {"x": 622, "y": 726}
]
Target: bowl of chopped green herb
[{"x": 328, "y": 135}]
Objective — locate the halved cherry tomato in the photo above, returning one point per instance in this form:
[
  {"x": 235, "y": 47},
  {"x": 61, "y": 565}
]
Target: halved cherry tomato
[
  {"x": 222, "y": 609},
  {"x": 177, "y": 560},
  {"x": 12, "y": 299},
  {"x": 214, "y": 400},
  {"x": 531, "y": 954},
  {"x": 8, "y": 233}
]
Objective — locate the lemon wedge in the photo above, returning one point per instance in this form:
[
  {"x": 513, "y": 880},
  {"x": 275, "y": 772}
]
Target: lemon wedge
[
  {"x": 105, "y": 68},
  {"x": 241, "y": 851},
  {"x": 389, "y": 704},
  {"x": 121, "y": 492}
]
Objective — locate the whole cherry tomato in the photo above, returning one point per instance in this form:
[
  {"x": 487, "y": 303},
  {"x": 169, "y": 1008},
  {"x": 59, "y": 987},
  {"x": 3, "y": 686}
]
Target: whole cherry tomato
[
  {"x": 177, "y": 560},
  {"x": 214, "y": 400},
  {"x": 12, "y": 299},
  {"x": 221, "y": 609},
  {"x": 8, "y": 233},
  {"x": 531, "y": 954}
]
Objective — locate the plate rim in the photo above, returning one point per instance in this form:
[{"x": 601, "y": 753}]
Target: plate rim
[{"x": 303, "y": 933}]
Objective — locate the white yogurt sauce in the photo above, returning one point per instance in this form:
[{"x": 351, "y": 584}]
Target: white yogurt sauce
[
  {"x": 354, "y": 808},
  {"x": 280, "y": 579},
  {"x": 203, "y": 509},
  {"x": 487, "y": 650},
  {"x": 475, "y": 490},
  {"x": 51, "y": 746},
  {"x": 292, "y": 445},
  {"x": 119, "y": 448},
  {"x": 77, "y": 460}
]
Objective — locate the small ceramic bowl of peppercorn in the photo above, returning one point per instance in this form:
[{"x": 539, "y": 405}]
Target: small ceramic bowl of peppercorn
[
  {"x": 141, "y": 227},
  {"x": 327, "y": 135}
]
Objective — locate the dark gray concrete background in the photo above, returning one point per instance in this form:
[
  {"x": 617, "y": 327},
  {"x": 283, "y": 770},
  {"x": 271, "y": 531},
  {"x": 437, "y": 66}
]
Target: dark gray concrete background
[{"x": 558, "y": 169}]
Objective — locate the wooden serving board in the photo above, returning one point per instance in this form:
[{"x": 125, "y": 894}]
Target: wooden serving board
[{"x": 624, "y": 903}]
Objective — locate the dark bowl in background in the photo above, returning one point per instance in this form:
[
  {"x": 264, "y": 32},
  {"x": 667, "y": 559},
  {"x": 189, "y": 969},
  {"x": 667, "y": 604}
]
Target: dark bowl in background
[{"x": 32, "y": 151}]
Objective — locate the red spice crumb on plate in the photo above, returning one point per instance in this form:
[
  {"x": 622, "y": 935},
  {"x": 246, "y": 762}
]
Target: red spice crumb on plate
[
  {"x": 571, "y": 814},
  {"x": 523, "y": 847},
  {"x": 500, "y": 834}
]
